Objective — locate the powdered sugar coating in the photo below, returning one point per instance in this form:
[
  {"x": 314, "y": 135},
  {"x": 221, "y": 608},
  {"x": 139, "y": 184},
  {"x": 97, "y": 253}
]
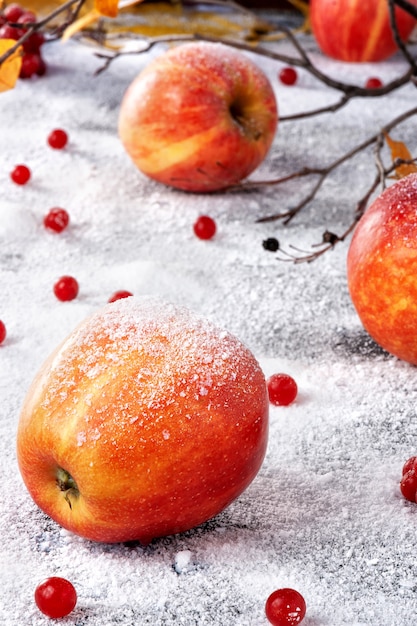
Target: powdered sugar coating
[
  {"x": 169, "y": 339},
  {"x": 154, "y": 412}
]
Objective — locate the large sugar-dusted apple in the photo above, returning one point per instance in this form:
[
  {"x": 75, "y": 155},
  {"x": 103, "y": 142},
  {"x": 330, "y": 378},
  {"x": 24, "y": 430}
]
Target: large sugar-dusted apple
[
  {"x": 382, "y": 269},
  {"x": 358, "y": 30},
  {"x": 147, "y": 421},
  {"x": 200, "y": 117}
]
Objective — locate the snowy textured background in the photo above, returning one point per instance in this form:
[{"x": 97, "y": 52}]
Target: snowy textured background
[{"x": 324, "y": 515}]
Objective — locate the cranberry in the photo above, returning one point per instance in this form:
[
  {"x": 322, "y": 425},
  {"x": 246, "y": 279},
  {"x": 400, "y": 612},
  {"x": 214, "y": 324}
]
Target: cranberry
[
  {"x": 30, "y": 65},
  {"x": 373, "y": 83},
  {"x": 13, "y": 11},
  {"x": 285, "y": 607},
  {"x": 20, "y": 174},
  {"x": 282, "y": 389},
  {"x": 204, "y": 227},
  {"x": 119, "y": 295},
  {"x": 57, "y": 139},
  {"x": 56, "y": 219},
  {"x": 2, "y": 331},
  {"x": 66, "y": 288},
  {"x": 42, "y": 67},
  {"x": 288, "y": 76},
  {"x": 55, "y": 597},
  {"x": 34, "y": 42},
  {"x": 408, "y": 484},
  {"x": 27, "y": 17},
  {"x": 9, "y": 32}
]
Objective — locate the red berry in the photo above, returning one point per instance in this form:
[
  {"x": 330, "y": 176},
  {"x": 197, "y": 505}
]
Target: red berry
[
  {"x": 30, "y": 65},
  {"x": 408, "y": 484},
  {"x": 20, "y": 175},
  {"x": 13, "y": 11},
  {"x": 2, "y": 332},
  {"x": 10, "y": 32},
  {"x": 66, "y": 288},
  {"x": 42, "y": 67},
  {"x": 58, "y": 139},
  {"x": 56, "y": 219},
  {"x": 285, "y": 607},
  {"x": 55, "y": 597},
  {"x": 373, "y": 83},
  {"x": 118, "y": 295},
  {"x": 34, "y": 42},
  {"x": 411, "y": 464},
  {"x": 288, "y": 76},
  {"x": 204, "y": 227},
  {"x": 27, "y": 17},
  {"x": 282, "y": 389}
]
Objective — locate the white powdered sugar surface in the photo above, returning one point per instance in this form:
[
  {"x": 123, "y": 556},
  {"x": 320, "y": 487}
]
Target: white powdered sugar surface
[{"x": 324, "y": 515}]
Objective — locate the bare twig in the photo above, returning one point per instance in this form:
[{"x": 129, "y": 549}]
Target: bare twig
[
  {"x": 330, "y": 239},
  {"x": 400, "y": 43},
  {"x": 31, "y": 28},
  {"x": 349, "y": 90},
  {"x": 323, "y": 172},
  {"x": 407, "y": 6}
]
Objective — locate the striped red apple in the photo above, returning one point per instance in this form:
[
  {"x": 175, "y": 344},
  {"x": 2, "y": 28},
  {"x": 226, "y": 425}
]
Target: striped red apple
[
  {"x": 358, "y": 30},
  {"x": 201, "y": 117},
  {"x": 147, "y": 421},
  {"x": 381, "y": 268}
]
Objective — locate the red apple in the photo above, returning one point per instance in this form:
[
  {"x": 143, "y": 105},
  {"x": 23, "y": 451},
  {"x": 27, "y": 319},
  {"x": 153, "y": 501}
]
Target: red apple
[
  {"x": 147, "y": 421},
  {"x": 382, "y": 271},
  {"x": 357, "y": 30},
  {"x": 200, "y": 117}
]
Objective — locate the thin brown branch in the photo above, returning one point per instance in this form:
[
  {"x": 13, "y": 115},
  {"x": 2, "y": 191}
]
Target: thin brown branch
[
  {"x": 31, "y": 28},
  {"x": 323, "y": 172},
  {"x": 400, "y": 43},
  {"x": 349, "y": 90},
  {"x": 361, "y": 92},
  {"x": 330, "y": 239},
  {"x": 407, "y": 6}
]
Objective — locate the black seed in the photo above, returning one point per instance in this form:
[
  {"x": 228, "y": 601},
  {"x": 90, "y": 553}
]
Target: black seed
[{"x": 271, "y": 244}]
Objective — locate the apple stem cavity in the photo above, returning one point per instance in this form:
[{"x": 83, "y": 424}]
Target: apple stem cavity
[
  {"x": 245, "y": 123},
  {"x": 67, "y": 484}
]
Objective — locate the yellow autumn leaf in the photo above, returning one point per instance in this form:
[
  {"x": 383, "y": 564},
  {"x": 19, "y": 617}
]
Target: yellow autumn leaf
[
  {"x": 400, "y": 151},
  {"x": 10, "y": 68}
]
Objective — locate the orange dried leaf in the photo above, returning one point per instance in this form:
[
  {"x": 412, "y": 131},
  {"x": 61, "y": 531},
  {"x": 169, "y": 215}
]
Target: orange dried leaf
[
  {"x": 400, "y": 151},
  {"x": 109, "y": 8},
  {"x": 10, "y": 68}
]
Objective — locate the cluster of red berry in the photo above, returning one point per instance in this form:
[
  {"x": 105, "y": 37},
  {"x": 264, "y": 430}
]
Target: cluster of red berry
[{"x": 15, "y": 21}]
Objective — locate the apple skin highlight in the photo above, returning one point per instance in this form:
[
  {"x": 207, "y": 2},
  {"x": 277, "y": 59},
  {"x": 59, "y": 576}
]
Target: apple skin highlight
[
  {"x": 146, "y": 422},
  {"x": 200, "y": 117}
]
